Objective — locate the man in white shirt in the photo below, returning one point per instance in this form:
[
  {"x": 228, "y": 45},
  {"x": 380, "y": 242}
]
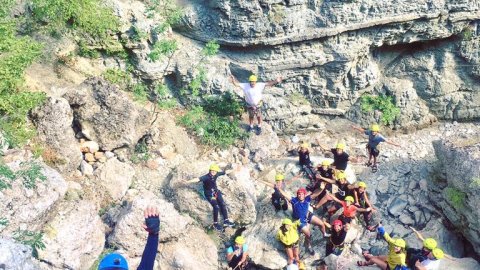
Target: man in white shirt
[
  {"x": 432, "y": 262},
  {"x": 252, "y": 91}
]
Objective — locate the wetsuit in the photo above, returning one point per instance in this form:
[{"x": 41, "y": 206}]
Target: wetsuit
[
  {"x": 335, "y": 242},
  {"x": 213, "y": 195}
]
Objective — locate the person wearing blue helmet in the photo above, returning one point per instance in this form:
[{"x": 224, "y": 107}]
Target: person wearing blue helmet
[{"x": 115, "y": 261}]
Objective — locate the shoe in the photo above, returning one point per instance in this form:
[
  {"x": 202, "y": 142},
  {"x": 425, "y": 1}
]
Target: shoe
[
  {"x": 310, "y": 250},
  {"x": 301, "y": 265},
  {"x": 217, "y": 227},
  {"x": 374, "y": 168},
  {"x": 326, "y": 235},
  {"x": 228, "y": 223},
  {"x": 259, "y": 130},
  {"x": 249, "y": 129}
]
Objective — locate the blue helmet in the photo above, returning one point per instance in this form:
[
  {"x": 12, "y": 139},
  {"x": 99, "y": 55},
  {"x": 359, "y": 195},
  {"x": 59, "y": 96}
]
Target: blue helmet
[{"x": 113, "y": 261}]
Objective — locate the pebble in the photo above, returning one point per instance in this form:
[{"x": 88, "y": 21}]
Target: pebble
[
  {"x": 90, "y": 157},
  {"x": 109, "y": 154},
  {"x": 86, "y": 168}
]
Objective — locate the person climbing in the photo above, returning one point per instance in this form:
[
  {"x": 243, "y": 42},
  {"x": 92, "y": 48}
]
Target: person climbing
[
  {"x": 253, "y": 97},
  {"x": 362, "y": 201},
  {"x": 396, "y": 256},
  {"x": 115, "y": 261},
  {"x": 237, "y": 255},
  {"x": 288, "y": 236},
  {"x": 214, "y": 196},
  {"x": 349, "y": 210},
  {"x": 325, "y": 175},
  {"x": 340, "y": 157},
  {"x": 305, "y": 162},
  {"x": 301, "y": 211},
  {"x": 432, "y": 262},
  {"x": 341, "y": 189},
  {"x": 374, "y": 139},
  {"x": 336, "y": 243},
  {"x": 277, "y": 199}
]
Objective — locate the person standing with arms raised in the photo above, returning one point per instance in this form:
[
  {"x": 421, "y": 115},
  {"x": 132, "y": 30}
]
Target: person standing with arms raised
[{"x": 253, "y": 91}]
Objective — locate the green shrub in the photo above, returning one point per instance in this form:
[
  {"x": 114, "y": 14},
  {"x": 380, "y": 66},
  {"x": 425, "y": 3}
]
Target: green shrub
[
  {"x": 168, "y": 10},
  {"x": 211, "y": 48},
  {"x": 162, "y": 48},
  {"x": 86, "y": 51},
  {"x": 225, "y": 105},
  {"x": 212, "y": 129},
  {"x": 89, "y": 16},
  {"x": 6, "y": 177},
  {"x": 383, "y": 104},
  {"x": 140, "y": 92},
  {"x": 118, "y": 77},
  {"x": 3, "y": 222},
  {"x": 30, "y": 173},
  {"x": 456, "y": 197},
  {"x": 30, "y": 238}
]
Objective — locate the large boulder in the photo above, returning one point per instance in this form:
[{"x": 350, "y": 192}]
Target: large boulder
[
  {"x": 74, "y": 237},
  {"x": 115, "y": 177},
  {"x": 189, "y": 198},
  {"x": 183, "y": 245},
  {"x": 54, "y": 120},
  {"x": 264, "y": 145},
  {"x": 25, "y": 205},
  {"x": 15, "y": 256},
  {"x": 106, "y": 114},
  {"x": 455, "y": 190}
]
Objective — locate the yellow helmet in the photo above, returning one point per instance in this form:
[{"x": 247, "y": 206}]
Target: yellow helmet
[
  {"x": 240, "y": 240},
  {"x": 287, "y": 221},
  {"x": 438, "y": 253},
  {"x": 279, "y": 177},
  {"x": 429, "y": 243},
  {"x": 400, "y": 243},
  {"x": 326, "y": 163},
  {"x": 375, "y": 128},
  {"x": 214, "y": 167},
  {"x": 362, "y": 185},
  {"x": 349, "y": 199},
  {"x": 340, "y": 146},
  {"x": 341, "y": 175},
  {"x": 304, "y": 145},
  {"x": 252, "y": 78}
]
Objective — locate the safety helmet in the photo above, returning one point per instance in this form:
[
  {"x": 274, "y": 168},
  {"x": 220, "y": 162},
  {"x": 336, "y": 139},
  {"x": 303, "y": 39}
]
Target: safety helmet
[
  {"x": 400, "y": 243},
  {"x": 375, "y": 128},
  {"x": 337, "y": 222},
  {"x": 287, "y": 221},
  {"x": 438, "y": 253},
  {"x": 429, "y": 243},
  {"x": 279, "y": 177},
  {"x": 214, "y": 167},
  {"x": 326, "y": 162},
  {"x": 340, "y": 146},
  {"x": 252, "y": 78},
  {"x": 240, "y": 240},
  {"x": 362, "y": 184},
  {"x": 341, "y": 175},
  {"x": 349, "y": 199},
  {"x": 301, "y": 190},
  {"x": 113, "y": 260},
  {"x": 304, "y": 145}
]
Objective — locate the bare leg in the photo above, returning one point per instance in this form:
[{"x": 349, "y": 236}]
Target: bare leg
[
  {"x": 379, "y": 262},
  {"x": 290, "y": 255},
  {"x": 317, "y": 221},
  {"x": 322, "y": 201},
  {"x": 250, "y": 120},
  {"x": 259, "y": 118},
  {"x": 306, "y": 232},
  {"x": 296, "y": 253}
]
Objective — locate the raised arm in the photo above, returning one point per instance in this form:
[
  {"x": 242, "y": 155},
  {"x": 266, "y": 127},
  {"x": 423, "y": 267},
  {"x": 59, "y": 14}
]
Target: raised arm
[
  {"x": 152, "y": 226},
  {"x": 193, "y": 180},
  {"x": 417, "y": 233},
  {"x": 358, "y": 128},
  {"x": 317, "y": 192},
  {"x": 234, "y": 81},
  {"x": 331, "y": 181},
  {"x": 392, "y": 143},
  {"x": 285, "y": 195},
  {"x": 323, "y": 147},
  {"x": 272, "y": 83}
]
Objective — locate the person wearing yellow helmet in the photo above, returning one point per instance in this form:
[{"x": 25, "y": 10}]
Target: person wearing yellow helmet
[
  {"x": 237, "y": 255},
  {"x": 362, "y": 201},
  {"x": 277, "y": 199},
  {"x": 305, "y": 162},
  {"x": 214, "y": 195},
  {"x": 252, "y": 91},
  {"x": 288, "y": 236},
  {"x": 424, "y": 258},
  {"x": 432, "y": 261},
  {"x": 396, "y": 256},
  {"x": 374, "y": 139},
  {"x": 340, "y": 189},
  {"x": 349, "y": 210},
  {"x": 340, "y": 157}
]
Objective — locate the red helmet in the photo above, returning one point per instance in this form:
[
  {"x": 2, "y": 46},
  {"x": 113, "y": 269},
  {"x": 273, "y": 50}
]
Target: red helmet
[
  {"x": 301, "y": 190},
  {"x": 337, "y": 222}
]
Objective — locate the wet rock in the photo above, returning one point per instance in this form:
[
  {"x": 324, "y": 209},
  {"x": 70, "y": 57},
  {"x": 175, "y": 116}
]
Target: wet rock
[
  {"x": 53, "y": 121},
  {"x": 15, "y": 256},
  {"x": 397, "y": 206},
  {"x": 74, "y": 237}
]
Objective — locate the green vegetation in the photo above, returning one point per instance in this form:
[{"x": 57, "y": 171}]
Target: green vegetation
[
  {"x": 141, "y": 152},
  {"x": 30, "y": 173},
  {"x": 467, "y": 33},
  {"x": 168, "y": 10},
  {"x": 3, "y": 222},
  {"x": 475, "y": 183},
  {"x": 163, "y": 48},
  {"x": 216, "y": 123},
  {"x": 6, "y": 177},
  {"x": 117, "y": 76},
  {"x": 164, "y": 99},
  {"x": 30, "y": 238},
  {"x": 106, "y": 251},
  {"x": 382, "y": 103},
  {"x": 456, "y": 197}
]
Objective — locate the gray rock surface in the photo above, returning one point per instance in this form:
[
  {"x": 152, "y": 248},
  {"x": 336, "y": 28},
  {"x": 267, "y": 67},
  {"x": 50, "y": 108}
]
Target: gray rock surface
[
  {"x": 15, "y": 256},
  {"x": 106, "y": 115},
  {"x": 115, "y": 177},
  {"x": 74, "y": 237},
  {"x": 53, "y": 121}
]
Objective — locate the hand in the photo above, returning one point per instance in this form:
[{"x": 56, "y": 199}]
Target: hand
[
  {"x": 369, "y": 209},
  {"x": 152, "y": 221},
  {"x": 279, "y": 80},
  {"x": 418, "y": 264}
]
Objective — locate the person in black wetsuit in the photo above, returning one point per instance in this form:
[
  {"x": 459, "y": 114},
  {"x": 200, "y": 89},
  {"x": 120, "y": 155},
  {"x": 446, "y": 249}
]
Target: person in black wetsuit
[
  {"x": 214, "y": 196},
  {"x": 336, "y": 241},
  {"x": 344, "y": 190},
  {"x": 277, "y": 199},
  {"x": 340, "y": 157},
  {"x": 115, "y": 261},
  {"x": 305, "y": 162}
]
